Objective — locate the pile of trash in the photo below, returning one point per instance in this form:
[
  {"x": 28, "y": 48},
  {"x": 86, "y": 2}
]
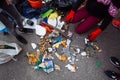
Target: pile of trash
[
  {"x": 54, "y": 35},
  {"x": 43, "y": 58}
]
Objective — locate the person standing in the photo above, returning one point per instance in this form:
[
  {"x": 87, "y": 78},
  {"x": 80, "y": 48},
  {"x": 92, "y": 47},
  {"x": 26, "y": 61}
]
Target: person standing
[{"x": 8, "y": 10}]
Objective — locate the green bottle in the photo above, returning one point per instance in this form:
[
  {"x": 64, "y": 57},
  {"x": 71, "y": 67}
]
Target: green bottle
[{"x": 46, "y": 14}]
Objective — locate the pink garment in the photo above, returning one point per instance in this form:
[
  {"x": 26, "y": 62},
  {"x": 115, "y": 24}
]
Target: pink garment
[
  {"x": 112, "y": 10},
  {"x": 119, "y": 79},
  {"x": 105, "y": 2},
  {"x": 87, "y": 24}
]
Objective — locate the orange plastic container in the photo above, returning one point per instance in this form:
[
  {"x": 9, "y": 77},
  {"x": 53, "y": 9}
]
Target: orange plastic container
[{"x": 35, "y": 3}]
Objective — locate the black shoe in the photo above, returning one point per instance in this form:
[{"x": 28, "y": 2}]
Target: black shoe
[
  {"x": 5, "y": 33},
  {"x": 21, "y": 39},
  {"x": 111, "y": 74},
  {"x": 26, "y": 30},
  {"x": 115, "y": 62}
]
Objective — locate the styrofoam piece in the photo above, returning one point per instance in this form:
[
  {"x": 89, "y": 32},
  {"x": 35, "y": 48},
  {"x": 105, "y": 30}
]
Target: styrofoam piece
[
  {"x": 33, "y": 45},
  {"x": 40, "y": 31},
  {"x": 83, "y": 53}
]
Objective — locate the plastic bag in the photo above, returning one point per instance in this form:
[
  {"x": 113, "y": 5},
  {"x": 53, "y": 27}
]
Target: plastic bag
[
  {"x": 64, "y": 5},
  {"x": 8, "y": 51}
]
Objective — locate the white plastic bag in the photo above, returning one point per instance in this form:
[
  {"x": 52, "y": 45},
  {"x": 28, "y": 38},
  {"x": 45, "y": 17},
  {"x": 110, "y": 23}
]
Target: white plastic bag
[{"x": 8, "y": 54}]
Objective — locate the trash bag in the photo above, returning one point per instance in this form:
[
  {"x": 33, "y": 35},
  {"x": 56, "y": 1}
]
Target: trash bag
[
  {"x": 8, "y": 51},
  {"x": 64, "y": 5}
]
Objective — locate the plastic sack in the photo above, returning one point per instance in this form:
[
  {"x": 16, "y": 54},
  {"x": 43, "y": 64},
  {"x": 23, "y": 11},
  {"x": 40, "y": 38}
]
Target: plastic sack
[
  {"x": 8, "y": 51},
  {"x": 64, "y": 5},
  {"x": 61, "y": 5}
]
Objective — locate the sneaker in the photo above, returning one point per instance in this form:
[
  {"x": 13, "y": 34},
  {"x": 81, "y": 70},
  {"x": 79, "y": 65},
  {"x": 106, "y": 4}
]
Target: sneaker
[
  {"x": 26, "y": 30},
  {"x": 115, "y": 62},
  {"x": 5, "y": 33},
  {"x": 112, "y": 74},
  {"x": 21, "y": 39}
]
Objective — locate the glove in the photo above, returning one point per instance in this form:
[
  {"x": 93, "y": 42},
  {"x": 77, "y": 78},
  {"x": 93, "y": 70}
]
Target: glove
[
  {"x": 94, "y": 34},
  {"x": 70, "y": 16}
]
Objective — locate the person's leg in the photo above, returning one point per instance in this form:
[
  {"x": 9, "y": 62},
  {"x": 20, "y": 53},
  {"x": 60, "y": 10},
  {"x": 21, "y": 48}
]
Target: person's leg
[
  {"x": 87, "y": 24},
  {"x": 4, "y": 19},
  {"x": 11, "y": 28},
  {"x": 11, "y": 9},
  {"x": 80, "y": 14}
]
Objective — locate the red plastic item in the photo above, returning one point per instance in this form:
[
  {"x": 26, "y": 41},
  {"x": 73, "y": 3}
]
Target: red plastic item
[
  {"x": 47, "y": 27},
  {"x": 35, "y": 3}
]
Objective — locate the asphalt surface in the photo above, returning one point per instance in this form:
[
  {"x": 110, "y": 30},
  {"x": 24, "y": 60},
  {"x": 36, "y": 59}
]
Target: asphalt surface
[{"x": 109, "y": 41}]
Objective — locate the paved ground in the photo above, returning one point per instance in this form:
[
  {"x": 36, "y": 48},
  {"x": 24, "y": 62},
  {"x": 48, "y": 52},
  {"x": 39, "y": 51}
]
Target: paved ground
[{"x": 109, "y": 41}]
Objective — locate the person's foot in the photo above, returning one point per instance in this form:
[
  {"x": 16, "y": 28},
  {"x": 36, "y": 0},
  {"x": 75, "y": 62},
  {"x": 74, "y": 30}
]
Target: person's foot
[
  {"x": 26, "y": 30},
  {"x": 116, "y": 23},
  {"x": 21, "y": 39},
  {"x": 115, "y": 62},
  {"x": 5, "y": 33},
  {"x": 112, "y": 74}
]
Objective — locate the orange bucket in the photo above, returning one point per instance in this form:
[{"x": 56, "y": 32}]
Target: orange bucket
[{"x": 35, "y": 3}]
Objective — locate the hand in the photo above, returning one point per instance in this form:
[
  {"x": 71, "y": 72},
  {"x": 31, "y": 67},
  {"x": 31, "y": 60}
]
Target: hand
[
  {"x": 94, "y": 34},
  {"x": 9, "y": 2},
  {"x": 70, "y": 16}
]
